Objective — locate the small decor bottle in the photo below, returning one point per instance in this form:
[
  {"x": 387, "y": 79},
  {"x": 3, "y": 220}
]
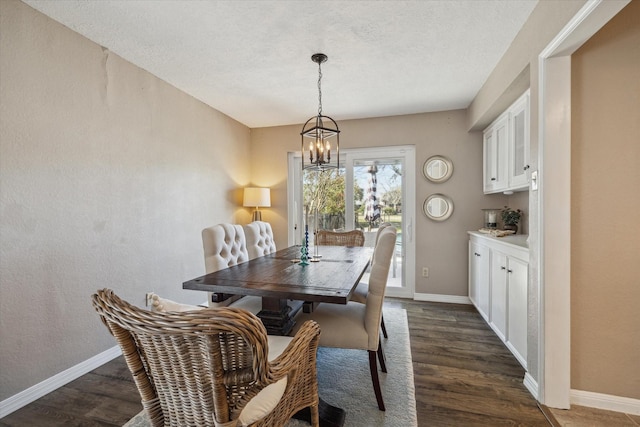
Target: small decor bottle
[{"x": 304, "y": 249}]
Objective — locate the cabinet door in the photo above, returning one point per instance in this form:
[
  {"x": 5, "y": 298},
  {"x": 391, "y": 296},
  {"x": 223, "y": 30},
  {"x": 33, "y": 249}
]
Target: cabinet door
[
  {"x": 517, "y": 297},
  {"x": 519, "y": 143},
  {"x": 499, "y": 293},
  {"x": 490, "y": 168},
  {"x": 479, "y": 278},
  {"x": 496, "y": 155}
]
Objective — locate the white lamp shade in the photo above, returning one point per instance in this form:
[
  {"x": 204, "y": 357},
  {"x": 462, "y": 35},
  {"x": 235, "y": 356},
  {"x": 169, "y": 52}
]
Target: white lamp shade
[{"x": 257, "y": 197}]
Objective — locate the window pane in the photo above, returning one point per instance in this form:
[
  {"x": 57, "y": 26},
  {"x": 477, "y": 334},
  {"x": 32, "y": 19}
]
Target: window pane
[{"x": 324, "y": 202}]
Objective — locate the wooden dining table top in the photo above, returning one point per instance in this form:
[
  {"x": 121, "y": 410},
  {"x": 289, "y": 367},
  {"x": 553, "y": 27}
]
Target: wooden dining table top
[{"x": 332, "y": 279}]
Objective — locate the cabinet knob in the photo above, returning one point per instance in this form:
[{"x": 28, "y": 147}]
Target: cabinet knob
[
  {"x": 493, "y": 179},
  {"x": 476, "y": 254},
  {"x": 503, "y": 268},
  {"x": 509, "y": 271},
  {"x": 526, "y": 167}
]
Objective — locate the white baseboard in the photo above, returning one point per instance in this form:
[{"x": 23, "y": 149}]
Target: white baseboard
[
  {"x": 531, "y": 384},
  {"x": 608, "y": 402},
  {"x": 35, "y": 392},
  {"x": 451, "y": 299}
]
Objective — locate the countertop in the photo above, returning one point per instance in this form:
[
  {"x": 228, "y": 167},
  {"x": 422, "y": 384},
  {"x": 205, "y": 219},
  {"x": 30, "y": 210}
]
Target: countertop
[{"x": 519, "y": 240}]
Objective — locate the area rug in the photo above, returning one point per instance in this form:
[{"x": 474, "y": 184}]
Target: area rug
[{"x": 344, "y": 381}]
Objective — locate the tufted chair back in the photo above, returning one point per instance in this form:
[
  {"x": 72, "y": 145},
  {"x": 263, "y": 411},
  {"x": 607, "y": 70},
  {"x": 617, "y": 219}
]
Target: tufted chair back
[
  {"x": 259, "y": 237},
  {"x": 224, "y": 246}
]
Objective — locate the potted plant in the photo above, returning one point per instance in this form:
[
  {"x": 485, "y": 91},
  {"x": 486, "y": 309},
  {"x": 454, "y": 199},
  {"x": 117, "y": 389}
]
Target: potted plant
[{"x": 510, "y": 218}]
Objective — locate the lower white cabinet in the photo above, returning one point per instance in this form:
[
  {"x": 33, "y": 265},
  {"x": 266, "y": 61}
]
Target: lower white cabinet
[
  {"x": 499, "y": 279},
  {"x": 479, "y": 277},
  {"x": 517, "y": 279},
  {"x": 498, "y": 282}
]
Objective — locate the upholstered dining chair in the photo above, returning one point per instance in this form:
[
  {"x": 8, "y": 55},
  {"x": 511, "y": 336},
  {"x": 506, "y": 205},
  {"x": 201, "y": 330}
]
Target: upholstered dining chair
[
  {"x": 339, "y": 238},
  {"x": 355, "y": 325},
  {"x": 213, "y": 367},
  {"x": 361, "y": 291},
  {"x": 224, "y": 246},
  {"x": 259, "y": 239}
]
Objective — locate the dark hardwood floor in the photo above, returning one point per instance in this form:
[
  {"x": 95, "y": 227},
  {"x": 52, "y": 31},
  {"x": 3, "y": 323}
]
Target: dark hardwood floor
[{"x": 464, "y": 376}]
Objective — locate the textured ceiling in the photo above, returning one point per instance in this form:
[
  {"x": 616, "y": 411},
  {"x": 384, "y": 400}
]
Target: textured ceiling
[{"x": 251, "y": 59}]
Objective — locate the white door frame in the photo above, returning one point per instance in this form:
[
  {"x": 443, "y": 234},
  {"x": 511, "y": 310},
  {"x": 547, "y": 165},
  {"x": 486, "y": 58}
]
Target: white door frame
[
  {"x": 554, "y": 216},
  {"x": 407, "y": 153}
]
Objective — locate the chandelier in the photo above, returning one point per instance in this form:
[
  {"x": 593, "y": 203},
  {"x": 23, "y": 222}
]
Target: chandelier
[{"x": 318, "y": 132}]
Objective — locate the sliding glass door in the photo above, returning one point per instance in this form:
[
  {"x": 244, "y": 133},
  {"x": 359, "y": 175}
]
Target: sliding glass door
[{"x": 373, "y": 186}]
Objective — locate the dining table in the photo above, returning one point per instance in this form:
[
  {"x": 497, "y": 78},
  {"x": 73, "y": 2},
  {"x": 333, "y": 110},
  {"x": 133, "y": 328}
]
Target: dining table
[{"x": 286, "y": 286}]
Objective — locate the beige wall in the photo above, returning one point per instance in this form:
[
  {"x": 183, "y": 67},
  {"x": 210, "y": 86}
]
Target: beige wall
[
  {"x": 441, "y": 246},
  {"x": 107, "y": 177},
  {"x": 605, "y": 243}
]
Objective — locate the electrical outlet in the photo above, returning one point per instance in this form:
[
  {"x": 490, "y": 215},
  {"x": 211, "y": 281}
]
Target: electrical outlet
[
  {"x": 425, "y": 272},
  {"x": 148, "y": 301}
]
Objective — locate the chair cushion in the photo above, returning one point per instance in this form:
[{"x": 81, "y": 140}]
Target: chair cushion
[
  {"x": 344, "y": 325},
  {"x": 163, "y": 305},
  {"x": 250, "y": 303},
  {"x": 267, "y": 399}
]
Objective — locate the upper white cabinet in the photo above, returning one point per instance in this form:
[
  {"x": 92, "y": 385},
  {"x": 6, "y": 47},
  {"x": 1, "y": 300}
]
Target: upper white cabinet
[
  {"x": 495, "y": 152},
  {"x": 506, "y": 149}
]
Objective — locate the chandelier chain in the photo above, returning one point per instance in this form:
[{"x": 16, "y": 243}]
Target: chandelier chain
[{"x": 319, "y": 88}]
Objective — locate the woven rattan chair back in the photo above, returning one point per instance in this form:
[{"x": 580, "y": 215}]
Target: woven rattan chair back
[
  {"x": 340, "y": 238},
  {"x": 202, "y": 367}
]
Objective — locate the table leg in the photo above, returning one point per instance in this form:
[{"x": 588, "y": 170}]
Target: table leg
[
  {"x": 277, "y": 315},
  {"x": 330, "y": 416}
]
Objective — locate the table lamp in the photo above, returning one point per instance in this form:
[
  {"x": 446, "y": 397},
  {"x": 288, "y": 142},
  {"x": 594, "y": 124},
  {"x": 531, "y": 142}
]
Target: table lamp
[{"x": 258, "y": 198}]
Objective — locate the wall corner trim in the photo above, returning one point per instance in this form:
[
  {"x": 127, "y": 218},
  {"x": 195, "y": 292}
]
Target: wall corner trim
[{"x": 35, "y": 392}]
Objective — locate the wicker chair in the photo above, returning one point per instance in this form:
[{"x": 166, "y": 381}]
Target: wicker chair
[
  {"x": 357, "y": 326},
  {"x": 340, "y": 238},
  {"x": 213, "y": 367}
]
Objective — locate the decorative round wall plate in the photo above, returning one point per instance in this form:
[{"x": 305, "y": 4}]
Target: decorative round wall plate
[
  {"x": 437, "y": 169},
  {"x": 438, "y": 207}
]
